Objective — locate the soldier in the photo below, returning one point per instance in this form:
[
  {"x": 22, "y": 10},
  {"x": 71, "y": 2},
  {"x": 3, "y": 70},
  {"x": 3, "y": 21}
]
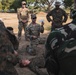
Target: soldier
[
  {"x": 13, "y": 38},
  {"x": 23, "y": 17},
  {"x": 7, "y": 54},
  {"x": 33, "y": 33},
  {"x": 61, "y": 49},
  {"x": 57, "y": 16},
  {"x": 34, "y": 64}
]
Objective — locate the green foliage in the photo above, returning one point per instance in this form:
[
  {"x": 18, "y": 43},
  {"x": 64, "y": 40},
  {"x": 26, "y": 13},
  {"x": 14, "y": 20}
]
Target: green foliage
[
  {"x": 6, "y": 4},
  {"x": 16, "y": 4},
  {"x": 37, "y": 4},
  {"x": 0, "y": 6},
  {"x": 68, "y": 3}
]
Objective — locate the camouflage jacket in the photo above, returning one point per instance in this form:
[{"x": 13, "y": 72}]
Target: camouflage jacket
[
  {"x": 34, "y": 30},
  {"x": 7, "y": 57},
  {"x": 57, "y": 17},
  {"x": 60, "y": 50}
]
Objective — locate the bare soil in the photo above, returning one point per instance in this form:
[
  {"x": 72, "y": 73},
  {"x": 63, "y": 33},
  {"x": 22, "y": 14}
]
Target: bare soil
[{"x": 10, "y": 19}]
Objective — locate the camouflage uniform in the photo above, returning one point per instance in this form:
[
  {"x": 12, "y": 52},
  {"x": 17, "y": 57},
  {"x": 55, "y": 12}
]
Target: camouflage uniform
[
  {"x": 34, "y": 30},
  {"x": 37, "y": 63},
  {"x": 61, "y": 50},
  {"x": 22, "y": 15},
  {"x": 57, "y": 16},
  {"x": 7, "y": 58}
]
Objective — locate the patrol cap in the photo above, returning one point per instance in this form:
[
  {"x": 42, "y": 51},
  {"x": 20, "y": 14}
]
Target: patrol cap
[
  {"x": 33, "y": 16},
  {"x": 10, "y": 28},
  {"x": 23, "y": 2},
  {"x": 57, "y": 3}
]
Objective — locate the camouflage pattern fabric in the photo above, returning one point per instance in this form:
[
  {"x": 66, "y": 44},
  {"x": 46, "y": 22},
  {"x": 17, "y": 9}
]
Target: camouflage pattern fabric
[
  {"x": 42, "y": 40},
  {"x": 7, "y": 58},
  {"x": 22, "y": 15},
  {"x": 37, "y": 63},
  {"x": 57, "y": 17},
  {"x": 60, "y": 50},
  {"x": 20, "y": 27},
  {"x": 34, "y": 30}
]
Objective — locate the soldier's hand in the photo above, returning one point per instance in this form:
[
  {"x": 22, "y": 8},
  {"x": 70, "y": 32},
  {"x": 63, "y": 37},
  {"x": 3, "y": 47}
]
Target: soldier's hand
[
  {"x": 24, "y": 62},
  {"x": 34, "y": 37},
  {"x": 42, "y": 23},
  {"x": 16, "y": 53}
]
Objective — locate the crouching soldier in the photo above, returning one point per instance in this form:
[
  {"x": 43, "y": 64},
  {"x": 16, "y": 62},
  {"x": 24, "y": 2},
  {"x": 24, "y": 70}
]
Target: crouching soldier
[
  {"x": 33, "y": 33},
  {"x": 8, "y": 57}
]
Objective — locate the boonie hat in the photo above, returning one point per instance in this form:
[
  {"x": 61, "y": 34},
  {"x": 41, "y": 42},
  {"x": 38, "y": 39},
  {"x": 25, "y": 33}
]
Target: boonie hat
[{"x": 57, "y": 3}]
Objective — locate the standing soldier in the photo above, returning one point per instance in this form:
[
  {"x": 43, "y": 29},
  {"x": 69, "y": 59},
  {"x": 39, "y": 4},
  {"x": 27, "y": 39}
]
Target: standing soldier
[
  {"x": 33, "y": 32},
  {"x": 23, "y": 17},
  {"x": 57, "y": 16},
  {"x": 61, "y": 51}
]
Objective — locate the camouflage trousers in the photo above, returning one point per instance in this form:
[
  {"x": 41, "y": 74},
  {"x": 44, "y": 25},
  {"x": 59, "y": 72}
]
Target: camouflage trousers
[
  {"x": 32, "y": 47},
  {"x": 37, "y": 41},
  {"x": 20, "y": 27},
  {"x": 56, "y": 25}
]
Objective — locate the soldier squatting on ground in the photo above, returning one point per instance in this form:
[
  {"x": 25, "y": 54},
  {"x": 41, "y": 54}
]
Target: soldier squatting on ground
[
  {"x": 23, "y": 17},
  {"x": 57, "y": 15},
  {"x": 7, "y": 51},
  {"x": 61, "y": 49},
  {"x": 33, "y": 33}
]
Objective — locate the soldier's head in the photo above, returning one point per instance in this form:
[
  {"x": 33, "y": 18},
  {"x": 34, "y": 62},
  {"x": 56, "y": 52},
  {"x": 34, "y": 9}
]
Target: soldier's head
[
  {"x": 23, "y": 4},
  {"x": 57, "y": 4},
  {"x": 73, "y": 14},
  {"x": 33, "y": 17},
  {"x": 10, "y": 29}
]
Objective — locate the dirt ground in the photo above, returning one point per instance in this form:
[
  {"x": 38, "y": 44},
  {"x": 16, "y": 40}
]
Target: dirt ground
[{"x": 10, "y": 19}]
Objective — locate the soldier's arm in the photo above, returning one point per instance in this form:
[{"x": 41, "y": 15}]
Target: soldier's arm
[
  {"x": 48, "y": 16},
  {"x": 18, "y": 14},
  {"x": 65, "y": 16},
  {"x": 41, "y": 28},
  {"x": 12, "y": 58},
  {"x": 28, "y": 31}
]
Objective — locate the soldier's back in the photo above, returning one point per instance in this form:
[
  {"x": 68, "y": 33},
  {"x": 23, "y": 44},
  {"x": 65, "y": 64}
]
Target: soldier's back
[{"x": 6, "y": 48}]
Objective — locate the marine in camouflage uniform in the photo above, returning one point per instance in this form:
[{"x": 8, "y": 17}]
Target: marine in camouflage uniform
[
  {"x": 33, "y": 32},
  {"x": 23, "y": 17},
  {"x": 35, "y": 64},
  {"x": 61, "y": 49},
  {"x": 7, "y": 56},
  {"x": 57, "y": 15}
]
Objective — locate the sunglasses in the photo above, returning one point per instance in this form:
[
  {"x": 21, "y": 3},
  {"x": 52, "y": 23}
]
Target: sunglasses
[
  {"x": 34, "y": 18},
  {"x": 24, "y": 4}
]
